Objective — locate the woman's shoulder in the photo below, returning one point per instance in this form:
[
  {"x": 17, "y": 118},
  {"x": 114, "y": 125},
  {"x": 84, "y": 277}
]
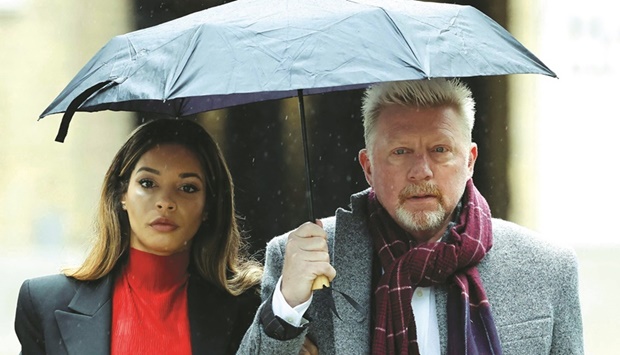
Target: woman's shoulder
[
  {"x": 48, "y": 289},
  {"x": 49, "y": 285}
]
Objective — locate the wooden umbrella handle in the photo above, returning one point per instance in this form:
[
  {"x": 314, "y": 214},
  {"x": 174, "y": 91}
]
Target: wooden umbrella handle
[{"x": 319, "y": 282}]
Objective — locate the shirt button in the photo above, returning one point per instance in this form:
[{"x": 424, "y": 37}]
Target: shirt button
[{"x": 419, "y": 293}]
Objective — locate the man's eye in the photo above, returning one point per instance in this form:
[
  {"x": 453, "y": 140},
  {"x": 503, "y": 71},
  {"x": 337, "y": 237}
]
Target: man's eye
[
  {"x": 400, "y": 151},
  {"x": 146, "y": 183},
  {"x": 441, "y": 149},
  {"x": 189, "y": 188}
]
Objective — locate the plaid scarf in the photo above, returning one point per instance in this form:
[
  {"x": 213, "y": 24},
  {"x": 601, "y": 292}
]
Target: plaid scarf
[{"x": 471, "y": 329}]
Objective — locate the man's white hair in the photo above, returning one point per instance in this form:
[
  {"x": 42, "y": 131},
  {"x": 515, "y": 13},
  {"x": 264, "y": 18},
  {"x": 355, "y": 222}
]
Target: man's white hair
[{"x": 417, "y": 93}]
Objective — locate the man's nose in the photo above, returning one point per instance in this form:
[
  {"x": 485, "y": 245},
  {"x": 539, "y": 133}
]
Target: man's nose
[{"x": 420, "y": 168}]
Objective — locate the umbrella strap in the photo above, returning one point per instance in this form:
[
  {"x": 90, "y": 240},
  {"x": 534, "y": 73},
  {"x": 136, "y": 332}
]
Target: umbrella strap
[
  {"x": 73, "y": 106},
  {"x": 332, "y": 305}
]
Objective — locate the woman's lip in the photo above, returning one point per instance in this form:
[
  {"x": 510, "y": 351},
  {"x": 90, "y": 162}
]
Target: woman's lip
[
  {"x": 164, "y": 227},
  {"x": 163, "y": 220},
  {"x": 162, "y": 224}
]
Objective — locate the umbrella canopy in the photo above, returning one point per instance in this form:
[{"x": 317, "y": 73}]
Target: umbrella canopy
[{"x": 254, "y": 50}]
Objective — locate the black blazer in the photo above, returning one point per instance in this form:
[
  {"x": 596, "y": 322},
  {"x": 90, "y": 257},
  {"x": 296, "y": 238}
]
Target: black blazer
[{"x": 60, "y": 315}]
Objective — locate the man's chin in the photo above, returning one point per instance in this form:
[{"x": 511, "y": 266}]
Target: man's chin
[{"x": 420, "y": 220}]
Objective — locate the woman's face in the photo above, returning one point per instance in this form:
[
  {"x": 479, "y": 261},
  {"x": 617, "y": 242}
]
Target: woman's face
[{"x": 165, "y": 200}]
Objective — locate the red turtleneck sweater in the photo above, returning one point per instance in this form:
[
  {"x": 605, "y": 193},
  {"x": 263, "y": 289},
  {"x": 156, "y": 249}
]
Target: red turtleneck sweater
[{"x": 149, "y": 309}]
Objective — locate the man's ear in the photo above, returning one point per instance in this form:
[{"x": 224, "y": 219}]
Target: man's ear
[
  {"x": 364, "y": 159},
  {"x": 473, "y": 155}
]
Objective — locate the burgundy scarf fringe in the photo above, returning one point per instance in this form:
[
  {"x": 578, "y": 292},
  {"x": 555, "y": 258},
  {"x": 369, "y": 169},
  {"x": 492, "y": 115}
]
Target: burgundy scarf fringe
[{"x": 471, "y": 329}]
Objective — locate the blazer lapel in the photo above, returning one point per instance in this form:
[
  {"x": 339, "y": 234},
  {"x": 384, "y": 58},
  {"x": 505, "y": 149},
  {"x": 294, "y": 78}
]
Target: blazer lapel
[
  {"x": 86, "y": 330},
  {"x": 353, "y": 262}
]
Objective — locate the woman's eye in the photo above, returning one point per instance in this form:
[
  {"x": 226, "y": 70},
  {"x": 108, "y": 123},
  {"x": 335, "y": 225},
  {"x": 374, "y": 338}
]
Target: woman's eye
[
  {"x": 146, "y": 183},
  {"x": 189, "y": 188}
]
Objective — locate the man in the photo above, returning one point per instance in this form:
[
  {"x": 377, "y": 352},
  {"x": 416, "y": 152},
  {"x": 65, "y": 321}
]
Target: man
[{"x": 419, "y": 250}]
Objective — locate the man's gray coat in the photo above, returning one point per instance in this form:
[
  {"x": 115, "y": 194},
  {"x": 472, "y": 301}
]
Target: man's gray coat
[{"x": 531, "y": 285}]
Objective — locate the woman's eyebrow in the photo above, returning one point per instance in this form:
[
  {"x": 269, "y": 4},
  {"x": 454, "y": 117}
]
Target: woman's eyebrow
[
  {"x": 181, "y": 175},
  {"x": 188, "y": 175},
  {"x": 150, "y": 170}
]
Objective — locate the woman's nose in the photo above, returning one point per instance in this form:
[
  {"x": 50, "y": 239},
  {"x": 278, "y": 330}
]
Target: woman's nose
[{"x": 167, "y": 204}]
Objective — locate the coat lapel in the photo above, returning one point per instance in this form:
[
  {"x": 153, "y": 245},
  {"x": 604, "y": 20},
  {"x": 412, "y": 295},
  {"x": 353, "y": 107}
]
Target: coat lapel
[
  {"x": 86, "y": 329},
  {"x": 353, "y": 262}
]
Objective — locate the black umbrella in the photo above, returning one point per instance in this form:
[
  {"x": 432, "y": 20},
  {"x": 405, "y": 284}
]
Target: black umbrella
[{"x": 255, "y": 50}]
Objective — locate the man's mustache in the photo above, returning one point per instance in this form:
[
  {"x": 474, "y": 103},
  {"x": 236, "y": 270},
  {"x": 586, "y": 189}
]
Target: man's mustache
[{"x": 419, "y": 190}]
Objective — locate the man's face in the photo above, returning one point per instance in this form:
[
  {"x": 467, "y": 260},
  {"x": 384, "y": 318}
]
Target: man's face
[{"x": 418, "y": 164}]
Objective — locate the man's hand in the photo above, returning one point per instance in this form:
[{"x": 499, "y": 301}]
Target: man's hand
[
  {"x": 306, "y": 257},
  {"x": 309, "y": 348}
]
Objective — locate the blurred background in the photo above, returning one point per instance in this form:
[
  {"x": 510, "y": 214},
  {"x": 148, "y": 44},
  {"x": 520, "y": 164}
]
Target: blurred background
[{"x": 546, "y": 145}]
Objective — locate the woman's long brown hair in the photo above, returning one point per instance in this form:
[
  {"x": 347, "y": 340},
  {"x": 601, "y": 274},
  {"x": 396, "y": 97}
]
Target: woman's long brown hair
[{"x": 219, "y": 253}]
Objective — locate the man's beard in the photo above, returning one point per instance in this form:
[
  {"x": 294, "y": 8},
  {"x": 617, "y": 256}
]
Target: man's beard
[{"x": 421, "y": 220}]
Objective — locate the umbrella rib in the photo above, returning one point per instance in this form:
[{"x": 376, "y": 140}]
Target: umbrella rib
[
  {"x": 187, "y": 54},
  {"x": 411, "y": 50}
]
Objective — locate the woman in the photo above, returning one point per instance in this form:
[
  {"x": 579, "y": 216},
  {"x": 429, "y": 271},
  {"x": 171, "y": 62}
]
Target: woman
[{"x": 167, "y": 272}]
